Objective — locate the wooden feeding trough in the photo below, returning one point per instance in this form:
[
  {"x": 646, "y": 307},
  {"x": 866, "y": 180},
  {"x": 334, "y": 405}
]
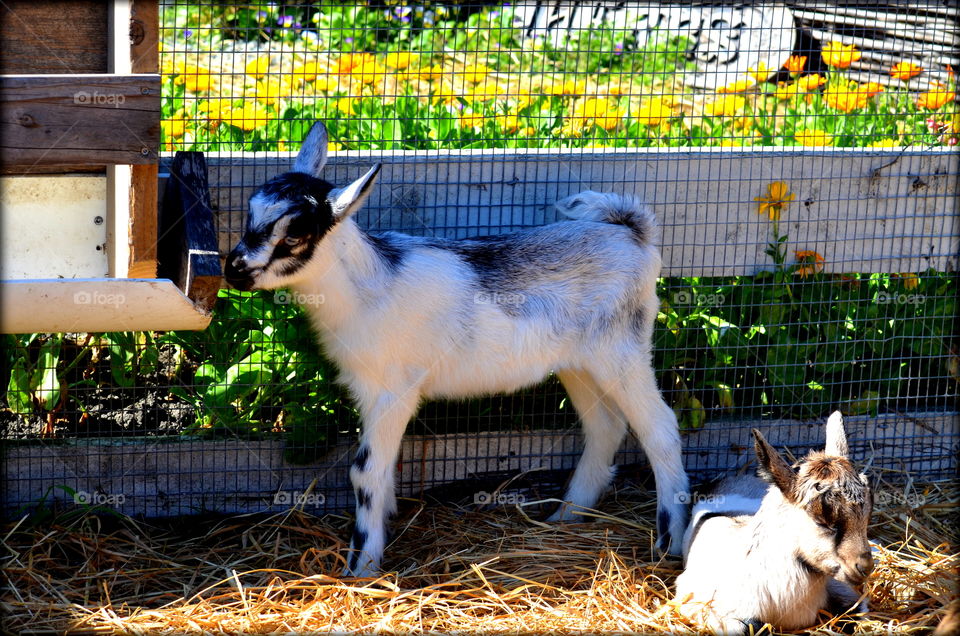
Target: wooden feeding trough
[{"x": 82, "y": 238}]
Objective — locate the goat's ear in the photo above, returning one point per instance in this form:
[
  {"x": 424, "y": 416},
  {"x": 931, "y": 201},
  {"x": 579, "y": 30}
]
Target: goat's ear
[
  {"x": 836, "y": 437},
  {"x": 313, "y": 154},
  {"x": 772, "y": 467},
  {"x": 346, "y": 201}
]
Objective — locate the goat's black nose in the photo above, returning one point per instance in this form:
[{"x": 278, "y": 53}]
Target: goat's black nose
[{"x": 865, "y": 566}]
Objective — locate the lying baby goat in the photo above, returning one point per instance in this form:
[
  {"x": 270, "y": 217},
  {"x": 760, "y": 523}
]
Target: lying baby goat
[
  {"x": 410, "y": 318},
  {"x": 779, "y": 550}
]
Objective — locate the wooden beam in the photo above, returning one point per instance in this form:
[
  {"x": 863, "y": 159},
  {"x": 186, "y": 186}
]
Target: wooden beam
[
  {"x": 187, "y": 250},
  {"x": 145, "y": 36},
  {"x": 143, "y": 222},
  {"x": 69, "y": 119},
  {"x": 65, "y": 36},
  {"x": 863, "y": 210},
  {"x": 184, "y": 476}
]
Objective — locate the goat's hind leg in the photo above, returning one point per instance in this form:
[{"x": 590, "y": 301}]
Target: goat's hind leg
[
  {"x": 603, "y": 432},
  {"x": 633, "y": 387},
  {"x": 372, "y": 475}
]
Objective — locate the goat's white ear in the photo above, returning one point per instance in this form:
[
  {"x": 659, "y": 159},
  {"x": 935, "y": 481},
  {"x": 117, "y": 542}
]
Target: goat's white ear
[
  {"x": 313, "y": 153},
  {"x": 836, "y": 436},
  {"x": 346, "y": 201}
]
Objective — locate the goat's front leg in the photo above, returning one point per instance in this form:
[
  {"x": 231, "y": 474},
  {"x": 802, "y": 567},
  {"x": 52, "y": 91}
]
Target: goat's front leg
[{"x": 372, "y": 474}]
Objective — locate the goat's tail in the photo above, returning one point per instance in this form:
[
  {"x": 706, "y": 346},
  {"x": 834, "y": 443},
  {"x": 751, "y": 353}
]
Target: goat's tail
[{"x": 608, "y": 207}]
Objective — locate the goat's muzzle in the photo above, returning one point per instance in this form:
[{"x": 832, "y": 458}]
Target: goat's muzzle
[{"x": 237, "y": 273}]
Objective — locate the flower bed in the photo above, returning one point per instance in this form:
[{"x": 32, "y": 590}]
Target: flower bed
[{"x": 406, "y": 78}]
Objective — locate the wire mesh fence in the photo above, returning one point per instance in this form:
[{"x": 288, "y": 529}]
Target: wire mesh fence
[{"x": 798, "y": 157}]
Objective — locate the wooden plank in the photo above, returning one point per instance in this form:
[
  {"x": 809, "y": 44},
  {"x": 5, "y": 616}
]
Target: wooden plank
[
  {"x": 143, "y": 222},
  {"x": 95, "y": 305},
  {"x": 187, "y": 250},
  {"x": 162, "y": 477},
  {"x": 864, "y": 210},
  {"x": 92, "y": 119},
  {"x": 145, "y": 36},
  {"x": 64, "y": 36}
]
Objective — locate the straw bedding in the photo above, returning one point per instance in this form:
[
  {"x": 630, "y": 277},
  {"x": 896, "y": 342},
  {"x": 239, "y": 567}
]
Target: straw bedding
[{"x": 455, "y": 570}]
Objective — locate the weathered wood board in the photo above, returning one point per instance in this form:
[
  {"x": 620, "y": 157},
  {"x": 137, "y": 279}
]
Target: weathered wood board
[
  {"x": 71, "y": 119},
  {"x": 863, "y": 210},
  {"x": 65, "y": 36},
  {"x": 166, "y": 477}
]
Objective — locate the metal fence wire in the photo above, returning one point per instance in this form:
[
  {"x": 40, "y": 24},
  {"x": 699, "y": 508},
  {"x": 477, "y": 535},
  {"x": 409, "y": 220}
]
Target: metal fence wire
[{"x": 798, "y": 157}]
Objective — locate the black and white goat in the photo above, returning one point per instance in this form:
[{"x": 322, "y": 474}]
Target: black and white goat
[
  {"x": 410, "y": 318},
  {"x": 780, "y": 549}
]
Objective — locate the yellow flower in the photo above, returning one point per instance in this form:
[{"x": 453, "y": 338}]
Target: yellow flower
[
  {"x": 616, "y": 89},
  {"x": 250, "y": 117},
  {"x": 778, "y": 197},
  {"x": 883, "y": 143},
  {"x": 840, "y": 55},
  {"x": 653, "y": 111},
  {"x": 271, "y": 90},
  {"x": 529, "y": 131},
  {"x": 258, "y": 66},
  {"x": 400, "y": 59},
  {"x": 737, "y": 86},
  {"x": 429, "y": 73},
  {"x": 368, "y": 71},
  {"x": 935, "y": 97},
  {"x": 795, "y": 64},
  {"x": 307, "y": 72},
  {"x": 472, "y": 120},
  {"x": 196, "y": 79},
  {"x": 346, "y": 105},
  {"x": 216, "y": 108},
  {"x": 910, "y": 281},
  {"x": 282, "y": 145},
  {"x": 509, "y": 123},
  {"x": 597, "y": 110},
  {"x": 760, "y": 72},
  {"x": 726, "y": 106},
  {"x": 904, "y": 71},
  {"x": 786, "y": 91},
  {"x": 809, "y": 83},
  {"x": 870, "y": 88},
  {"x": 565, "y": 87},
  {"x": 845, "y": 99},
  {"x": 175, "y": 127},
  {"x": 810, "y": 263},
  {"x": 487, "y": 89},
  {"x": 475, "y": 73},
  {"x": 812, "y": 137}
]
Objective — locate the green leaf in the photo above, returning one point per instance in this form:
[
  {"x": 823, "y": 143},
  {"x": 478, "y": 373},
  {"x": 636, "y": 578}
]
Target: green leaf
[
  {"x": 18, "y": 389},
  {"x": 45, "y": 383}
]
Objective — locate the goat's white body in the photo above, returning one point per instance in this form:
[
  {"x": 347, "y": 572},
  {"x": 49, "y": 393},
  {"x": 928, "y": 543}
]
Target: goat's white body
[
  {"x": 743, "y": 565},
  {"x": 580, "y": 300},
  {"x": 411, "y": 318}
]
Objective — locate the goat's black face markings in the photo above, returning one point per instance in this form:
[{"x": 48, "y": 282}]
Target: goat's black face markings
[
  {"x": 807, "y": 566},
  {"x": 360, "y": 461},
  {"x": 363, "y": 498}
]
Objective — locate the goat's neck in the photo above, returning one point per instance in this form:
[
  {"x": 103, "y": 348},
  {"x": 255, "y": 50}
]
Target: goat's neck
[
  {"x": 342, "y": 273},
  {"x": 774, "y": 538}
]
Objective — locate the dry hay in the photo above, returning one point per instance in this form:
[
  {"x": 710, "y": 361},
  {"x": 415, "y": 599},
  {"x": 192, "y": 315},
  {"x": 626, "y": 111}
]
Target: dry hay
[{"x": 455, "y": 571}]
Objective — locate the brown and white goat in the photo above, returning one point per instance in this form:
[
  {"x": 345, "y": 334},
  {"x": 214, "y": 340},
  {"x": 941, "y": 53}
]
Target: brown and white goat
[{"x": 780, "y": 549}]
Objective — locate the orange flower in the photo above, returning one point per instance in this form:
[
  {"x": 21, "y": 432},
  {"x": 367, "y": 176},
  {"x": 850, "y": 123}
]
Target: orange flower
[
  {"x": 850, "y": 98},
  {"x": 937, "y": 96},
  {"x": 910, "y": 280},
  {"x": 809, "y": 263},
  {"x": 904, "y": 71},
  {"x": 795, "y": 64},
  {"x": 840, "y": 55},
  {"x": 737, "y": 86},
  {"x": 778, "y": 197},
  {"x": 870, "y": 88}
]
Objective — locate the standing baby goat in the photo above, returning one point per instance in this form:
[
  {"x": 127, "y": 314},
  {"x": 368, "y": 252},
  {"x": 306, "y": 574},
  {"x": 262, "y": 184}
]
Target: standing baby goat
[
  {"x": 410, "y": 318},
  {"x": 779, "y": 550}
]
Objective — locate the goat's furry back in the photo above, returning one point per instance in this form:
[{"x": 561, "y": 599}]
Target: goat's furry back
[{"x": 609, "y": 207}]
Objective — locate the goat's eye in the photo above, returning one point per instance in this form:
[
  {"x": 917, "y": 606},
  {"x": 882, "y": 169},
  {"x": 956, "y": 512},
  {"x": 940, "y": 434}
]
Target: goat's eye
[{"x": 293, "y": 240}]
